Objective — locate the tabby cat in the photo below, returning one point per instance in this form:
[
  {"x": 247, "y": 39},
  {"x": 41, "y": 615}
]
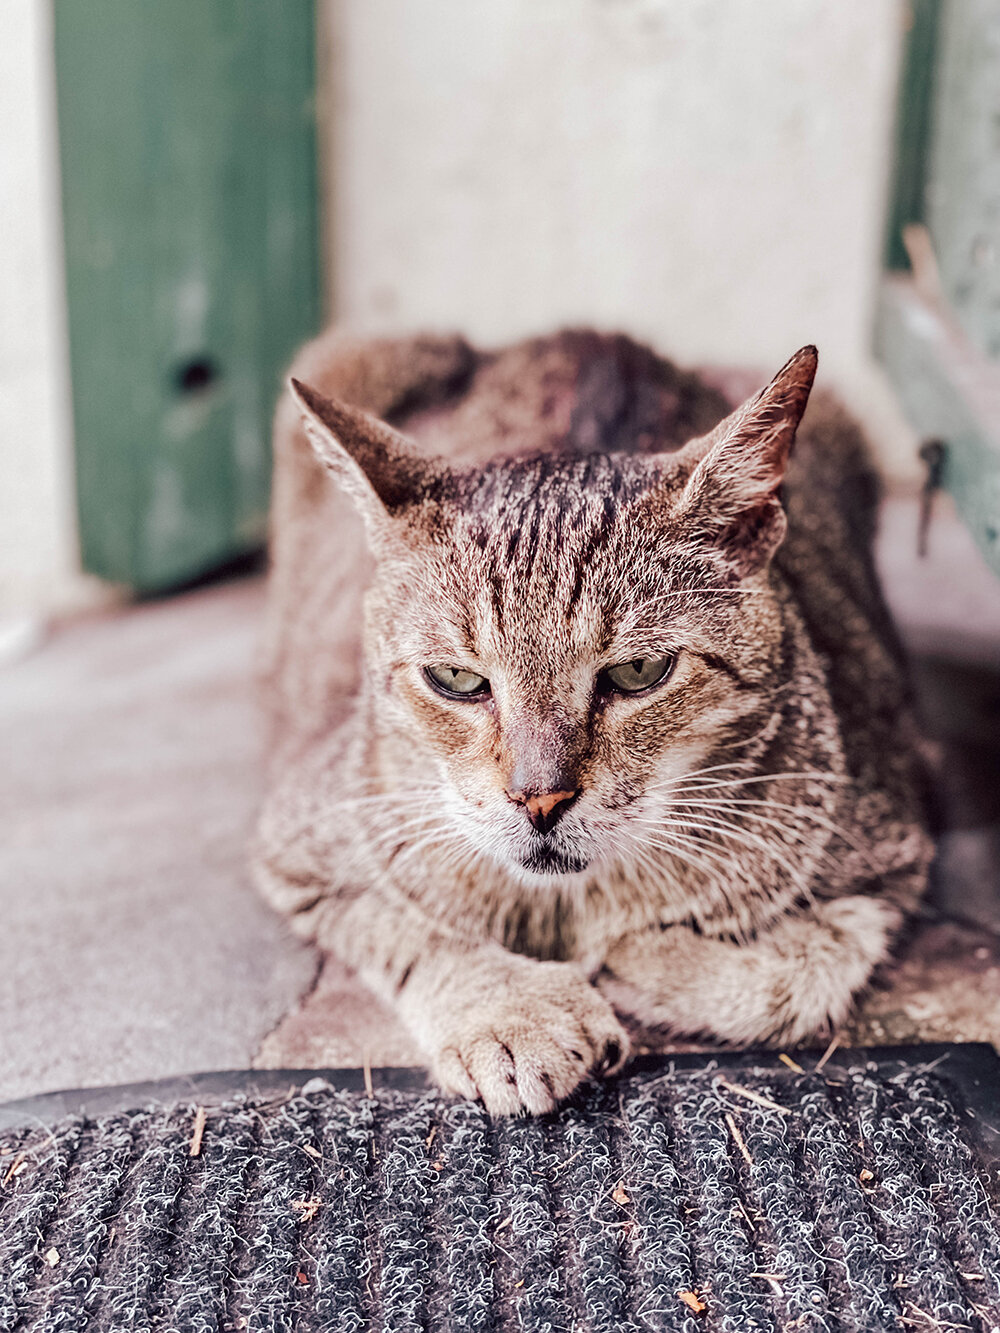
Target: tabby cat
[{"x": 587, "y": 705}]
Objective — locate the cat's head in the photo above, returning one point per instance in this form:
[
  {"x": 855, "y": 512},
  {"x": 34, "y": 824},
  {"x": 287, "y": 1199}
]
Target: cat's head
[{"x": 555, "y": 643}]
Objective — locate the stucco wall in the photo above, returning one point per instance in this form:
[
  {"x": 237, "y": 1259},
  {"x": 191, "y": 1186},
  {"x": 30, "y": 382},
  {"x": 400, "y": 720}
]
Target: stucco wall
[
  {"x": 710, "y": 174},
  {"x": 707, "y": 173},
  {"x": 38, "y": 548}
]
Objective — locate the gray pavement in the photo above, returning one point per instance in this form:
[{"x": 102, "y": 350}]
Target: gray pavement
[{"x": 131, "y": 944}]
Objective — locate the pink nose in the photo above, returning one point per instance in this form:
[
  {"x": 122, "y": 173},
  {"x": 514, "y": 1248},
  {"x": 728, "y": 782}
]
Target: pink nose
[{"x": 546, "y": 808}]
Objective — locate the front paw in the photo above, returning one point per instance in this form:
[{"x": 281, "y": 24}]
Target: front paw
[
  {"x": 530, "y": 1041},
  {"x": 866, "y": 926}
]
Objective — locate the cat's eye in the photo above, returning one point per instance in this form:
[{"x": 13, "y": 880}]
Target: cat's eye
[
  {"x": 642, "y": 673},
  {"x": 456, "y": 682}
]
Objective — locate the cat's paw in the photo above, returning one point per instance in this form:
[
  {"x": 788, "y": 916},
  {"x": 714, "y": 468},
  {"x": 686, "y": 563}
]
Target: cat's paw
[
  {"x": 833, "y": 951},
  {"x": 532, "y": 1042},
  {"x": 865, "y": 925}
]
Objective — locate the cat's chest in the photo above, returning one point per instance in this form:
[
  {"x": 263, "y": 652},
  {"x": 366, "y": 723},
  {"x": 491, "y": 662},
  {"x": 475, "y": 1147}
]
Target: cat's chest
[{"x": 577, "y": 922}]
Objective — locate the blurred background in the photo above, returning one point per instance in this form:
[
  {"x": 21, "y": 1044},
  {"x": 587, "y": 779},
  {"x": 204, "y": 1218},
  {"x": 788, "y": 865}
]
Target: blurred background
[
  {"x": 188, "y": 189},
  {"x": 191, "y": 188}
]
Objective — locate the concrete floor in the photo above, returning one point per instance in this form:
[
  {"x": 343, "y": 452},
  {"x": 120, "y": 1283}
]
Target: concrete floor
[{"x": 133, "y": 947}]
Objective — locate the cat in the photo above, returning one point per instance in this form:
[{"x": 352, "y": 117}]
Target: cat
[{"x": 588, "y": 711}]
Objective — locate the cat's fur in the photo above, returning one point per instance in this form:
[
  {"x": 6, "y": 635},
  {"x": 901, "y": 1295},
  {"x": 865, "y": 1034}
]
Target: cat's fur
[{"x": 747, "y": 837}]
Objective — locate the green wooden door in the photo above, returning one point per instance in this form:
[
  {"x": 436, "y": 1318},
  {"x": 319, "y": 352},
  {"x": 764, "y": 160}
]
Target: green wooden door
[
  {"x": 188, "y": 151},
  {"x": 962, "y": 202}
]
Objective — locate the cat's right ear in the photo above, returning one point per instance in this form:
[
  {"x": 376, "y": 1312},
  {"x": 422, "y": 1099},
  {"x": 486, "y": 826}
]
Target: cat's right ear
[{"x": 378, "y": 467}]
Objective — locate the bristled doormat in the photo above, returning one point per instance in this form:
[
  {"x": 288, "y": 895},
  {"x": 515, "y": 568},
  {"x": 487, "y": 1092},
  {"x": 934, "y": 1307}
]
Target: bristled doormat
[{"x": 736, "y": 1195}]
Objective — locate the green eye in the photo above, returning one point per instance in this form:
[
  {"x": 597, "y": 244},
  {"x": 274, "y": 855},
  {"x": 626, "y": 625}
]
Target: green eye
[
  {"x": 640, "y": 674},
  {"x": 455, "y": 682}
]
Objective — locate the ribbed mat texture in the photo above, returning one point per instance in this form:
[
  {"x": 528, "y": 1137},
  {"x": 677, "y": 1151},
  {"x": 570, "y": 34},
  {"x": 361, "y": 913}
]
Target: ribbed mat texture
[{"x": 687, "y": 1200}]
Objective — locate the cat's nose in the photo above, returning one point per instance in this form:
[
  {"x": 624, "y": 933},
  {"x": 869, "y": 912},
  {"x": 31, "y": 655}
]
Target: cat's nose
[{"x": 546, "y": 808}]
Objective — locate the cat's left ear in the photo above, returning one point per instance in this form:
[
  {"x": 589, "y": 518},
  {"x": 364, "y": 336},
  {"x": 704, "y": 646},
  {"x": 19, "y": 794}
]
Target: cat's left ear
[{"x": 731, "y": 496}]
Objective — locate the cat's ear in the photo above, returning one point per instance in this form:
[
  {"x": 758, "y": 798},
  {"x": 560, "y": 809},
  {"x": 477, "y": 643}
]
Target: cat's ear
[
  {"x": 378, "y": 467},
  {"x": 731, "y": 496}
]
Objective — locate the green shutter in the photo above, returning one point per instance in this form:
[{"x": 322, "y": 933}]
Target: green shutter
[
  {"x": 963, "y": 183},
  {"x": 914, "y": 105},
  {"x": 942, "y": 349},
  {"x": 188, "y": 151}
]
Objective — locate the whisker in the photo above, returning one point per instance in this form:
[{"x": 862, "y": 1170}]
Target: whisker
[
  {"x": 671, "y": 786},
  {"x": 674, "y": 850},
  {"x": 715, "y": 768},
  {"x": 384, "y": 837},
  {"x": 800, "y": 811},
  {"x": 393, "y": 799},
  {"x": 422, "y": 844},
  {"x": 415, "y": 817},
  {"x": 720, "y": 883},
  {"x": 743, "y": 837},
  {"x": 715, "y": 854},
  {"x": 655, "y": 821},
  {"x": 714, "y": 821},
  {"x": 765, "y": 732},
  {"x": 720, "y": 808}
]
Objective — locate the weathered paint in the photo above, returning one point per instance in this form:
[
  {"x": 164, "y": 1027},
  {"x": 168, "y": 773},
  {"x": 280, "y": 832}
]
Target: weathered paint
[
  {"x": 951, "y": 392},
  {"x": 188, "y": 149},
  {"x": 914, "y": 107},
  {"x": 963, "y": 183}
]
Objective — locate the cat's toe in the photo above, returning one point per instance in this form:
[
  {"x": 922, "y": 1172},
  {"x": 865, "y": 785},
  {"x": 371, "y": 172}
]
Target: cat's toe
[
  {"x": 493, "y": 1063},
  {"x": 481, "y": 1067},
  {"x": 516, "y": 1070},
  {"x": 452, "y": 1075},
  {"x": 613, "y": 1057},
  {"x": 515, "y": 1066}
]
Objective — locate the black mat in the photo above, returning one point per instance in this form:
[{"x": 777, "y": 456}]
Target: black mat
[{"x": 731, "y": 1195}]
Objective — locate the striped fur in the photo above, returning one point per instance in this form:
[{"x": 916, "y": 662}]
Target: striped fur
[{"x": 747, "y": 837}]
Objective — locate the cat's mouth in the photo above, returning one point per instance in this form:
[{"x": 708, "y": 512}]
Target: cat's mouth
[{"x": 544, "y": 858}]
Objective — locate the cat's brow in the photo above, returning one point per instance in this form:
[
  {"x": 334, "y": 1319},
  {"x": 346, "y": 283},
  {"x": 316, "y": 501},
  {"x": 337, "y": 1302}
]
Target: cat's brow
[
  {"x": 437, "y": 651},
  {"x": 667, "y": 599},
  {"x": 647, "y": 641}
]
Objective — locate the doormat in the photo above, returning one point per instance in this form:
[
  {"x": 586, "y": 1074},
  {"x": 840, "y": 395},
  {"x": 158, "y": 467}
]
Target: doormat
[{"x": 691, "y": 1194}]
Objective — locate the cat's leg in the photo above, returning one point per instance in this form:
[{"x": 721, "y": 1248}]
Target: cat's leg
[
  {"x": 517, "y": 1033},
  {"x": 785, "y": 984}
]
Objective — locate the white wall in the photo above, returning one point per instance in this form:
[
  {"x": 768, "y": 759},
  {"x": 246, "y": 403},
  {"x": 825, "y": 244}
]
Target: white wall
[
  {"x": 707, "y": 173},
  {"x": 38, "y": 547},
  {"x": 710, "y": 174}
]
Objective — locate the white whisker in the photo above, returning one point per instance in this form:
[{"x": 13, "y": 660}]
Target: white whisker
[
  {"x": 743, "y": 837},
  {"x": 714, "y": 853},
  {"x": 805, "y": 776},
  {"x": 802, "y": 812}
]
